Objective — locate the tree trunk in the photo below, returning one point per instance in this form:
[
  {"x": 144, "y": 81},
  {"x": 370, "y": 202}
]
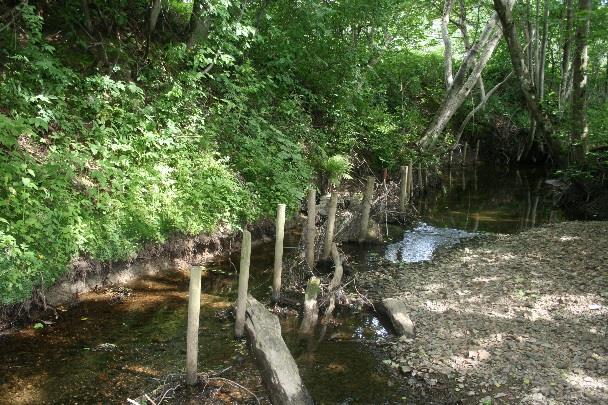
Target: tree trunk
[
  {"x": 503, "y": 8},
  {"x": 200, "y": 23},
  {"x": 543, "y": 53},
  {"x": 155, "y": 8},
  {"x": 311, "y": 230},
  {"x": 475, "y": 59},
  {"x": 447, "y": 43},
  {"x": 580, "y": 130},
  {"x": 565, "y": 83}
]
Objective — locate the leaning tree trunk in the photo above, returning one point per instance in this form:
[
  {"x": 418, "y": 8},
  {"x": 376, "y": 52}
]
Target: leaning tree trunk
[
  {"x": 503, "y": 8},
  {"x": 580, "y": 131},
  {"x": 475, "y": 60}
]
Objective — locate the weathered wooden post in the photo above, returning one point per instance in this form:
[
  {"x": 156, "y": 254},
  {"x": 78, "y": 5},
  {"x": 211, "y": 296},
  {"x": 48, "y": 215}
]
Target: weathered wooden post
[
  {"x": 311, "y": 228},
  {"x": 410, "y": 180},
  {"x": 464, "y": 154},
  {"x": 241, "y": 302},
  {"x": 278, "y": 252},
  {"x": 404, "y": 188},
  {"x": 194, "y": 309},
  {"x": 331, "y": 223},
  {"x": 367, "y": 205},
  {"x": 311, "y": 307},
  {"x": 420, "y": 184},
  {"x": 477, "y": 151}
]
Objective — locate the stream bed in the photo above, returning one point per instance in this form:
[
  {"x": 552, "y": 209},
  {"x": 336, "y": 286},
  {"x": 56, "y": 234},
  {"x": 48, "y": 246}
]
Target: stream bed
[{"x": 120, "y": 343}]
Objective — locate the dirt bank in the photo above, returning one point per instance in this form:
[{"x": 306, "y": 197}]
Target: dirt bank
[{"x": 508, "y": 319}]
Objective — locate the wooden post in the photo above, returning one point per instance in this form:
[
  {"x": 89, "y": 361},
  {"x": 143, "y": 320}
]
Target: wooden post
[
  {"x": 367, "y": 205},
  {"x": 311, "y": 307},
  {"x": 477, "y": 151},
  {"x": 410, "y": 180},
  {"x": 194, "y": 309},
  {"x": 331, "y": 223},
  {"x": 464, "y": 154},
  {"x": 278, "y": 252},
  {"x": 241, "y": 302},
  {"x": 404, "y": 188},
  {"x": 311, "y": 228},
  {"x": 420, "y": 184}
]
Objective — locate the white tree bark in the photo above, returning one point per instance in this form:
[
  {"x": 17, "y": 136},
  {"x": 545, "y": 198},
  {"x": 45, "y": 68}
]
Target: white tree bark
[
  {"x": 447, "y": 43},
  {"x": 474, "y": 61}
]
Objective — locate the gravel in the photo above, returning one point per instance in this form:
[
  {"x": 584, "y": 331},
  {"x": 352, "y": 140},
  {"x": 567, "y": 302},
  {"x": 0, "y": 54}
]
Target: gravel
[{"x": 507, "y": 319}]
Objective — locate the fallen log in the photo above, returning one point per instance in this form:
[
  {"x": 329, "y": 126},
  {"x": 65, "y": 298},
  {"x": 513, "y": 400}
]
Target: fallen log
[
  {"x": 396, "y": 311},
  {"x": 278, "y": 368}
]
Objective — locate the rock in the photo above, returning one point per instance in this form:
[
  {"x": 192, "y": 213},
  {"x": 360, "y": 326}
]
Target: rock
[
  {"x": 397, "y": 312},
  {"x": 277, "y": 367}
]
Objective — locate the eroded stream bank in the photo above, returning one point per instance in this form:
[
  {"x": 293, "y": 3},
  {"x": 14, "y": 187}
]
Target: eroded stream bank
[{"x": 119, "y": 343}]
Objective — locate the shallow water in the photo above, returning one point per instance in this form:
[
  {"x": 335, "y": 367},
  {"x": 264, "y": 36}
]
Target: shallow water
[
  {"x": 421, "y": 243},
  {"x": 65, "y": 362}
]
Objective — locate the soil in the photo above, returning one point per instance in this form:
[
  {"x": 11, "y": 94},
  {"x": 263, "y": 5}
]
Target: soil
[{"x": 507, "y": 319}]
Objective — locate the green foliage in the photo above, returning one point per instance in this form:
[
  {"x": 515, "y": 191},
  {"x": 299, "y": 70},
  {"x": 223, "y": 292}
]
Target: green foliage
[{"x": 337, "y": 168}]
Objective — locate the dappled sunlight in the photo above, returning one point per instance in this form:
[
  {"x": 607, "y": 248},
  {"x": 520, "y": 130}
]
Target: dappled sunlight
[{"x": 583, "y": 382}]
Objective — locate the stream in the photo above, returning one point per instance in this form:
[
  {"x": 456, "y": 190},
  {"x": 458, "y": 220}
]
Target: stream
[{"x": 119, "y": 344}]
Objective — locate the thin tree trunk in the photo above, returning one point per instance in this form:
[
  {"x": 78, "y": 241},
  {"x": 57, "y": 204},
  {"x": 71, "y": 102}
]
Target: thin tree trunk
[
  {"x": 580, "y": 130},
  {"x": 447, "y": 43},
  {"x": 565, "y": 83},
  {"x": 311, "y": 228},
  {"x": 521, "y": 72},
  {"x": 543, "y": 52}
]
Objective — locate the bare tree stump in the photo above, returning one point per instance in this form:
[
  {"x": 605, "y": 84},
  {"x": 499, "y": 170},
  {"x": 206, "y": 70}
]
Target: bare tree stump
[
  {"x": 241, "y": 302},
  {"x": 278, "y": 252},
  {"x": 367, "y": 205},
  {"x": 194, "y": 310},
  {"x": 311, "y": 307}
]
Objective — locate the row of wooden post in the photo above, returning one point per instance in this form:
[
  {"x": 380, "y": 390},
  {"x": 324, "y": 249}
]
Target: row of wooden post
[{"x": 312, "y": 290}]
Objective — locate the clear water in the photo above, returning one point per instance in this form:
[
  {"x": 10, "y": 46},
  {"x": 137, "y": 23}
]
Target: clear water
[{"x": 63, "y": 363}]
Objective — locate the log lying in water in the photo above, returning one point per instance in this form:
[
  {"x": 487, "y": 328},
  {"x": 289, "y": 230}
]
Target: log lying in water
[
  {"x": 396, "y": 311},
  {"x": 278, "y": 368}
]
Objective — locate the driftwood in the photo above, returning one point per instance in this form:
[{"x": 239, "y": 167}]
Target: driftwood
[
  {"x": 397, "y": 313},
  {"x": 278, "y": 368}
]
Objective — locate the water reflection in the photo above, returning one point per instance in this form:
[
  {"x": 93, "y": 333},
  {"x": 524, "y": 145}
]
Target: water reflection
[{"x": 491, "y": 199}]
